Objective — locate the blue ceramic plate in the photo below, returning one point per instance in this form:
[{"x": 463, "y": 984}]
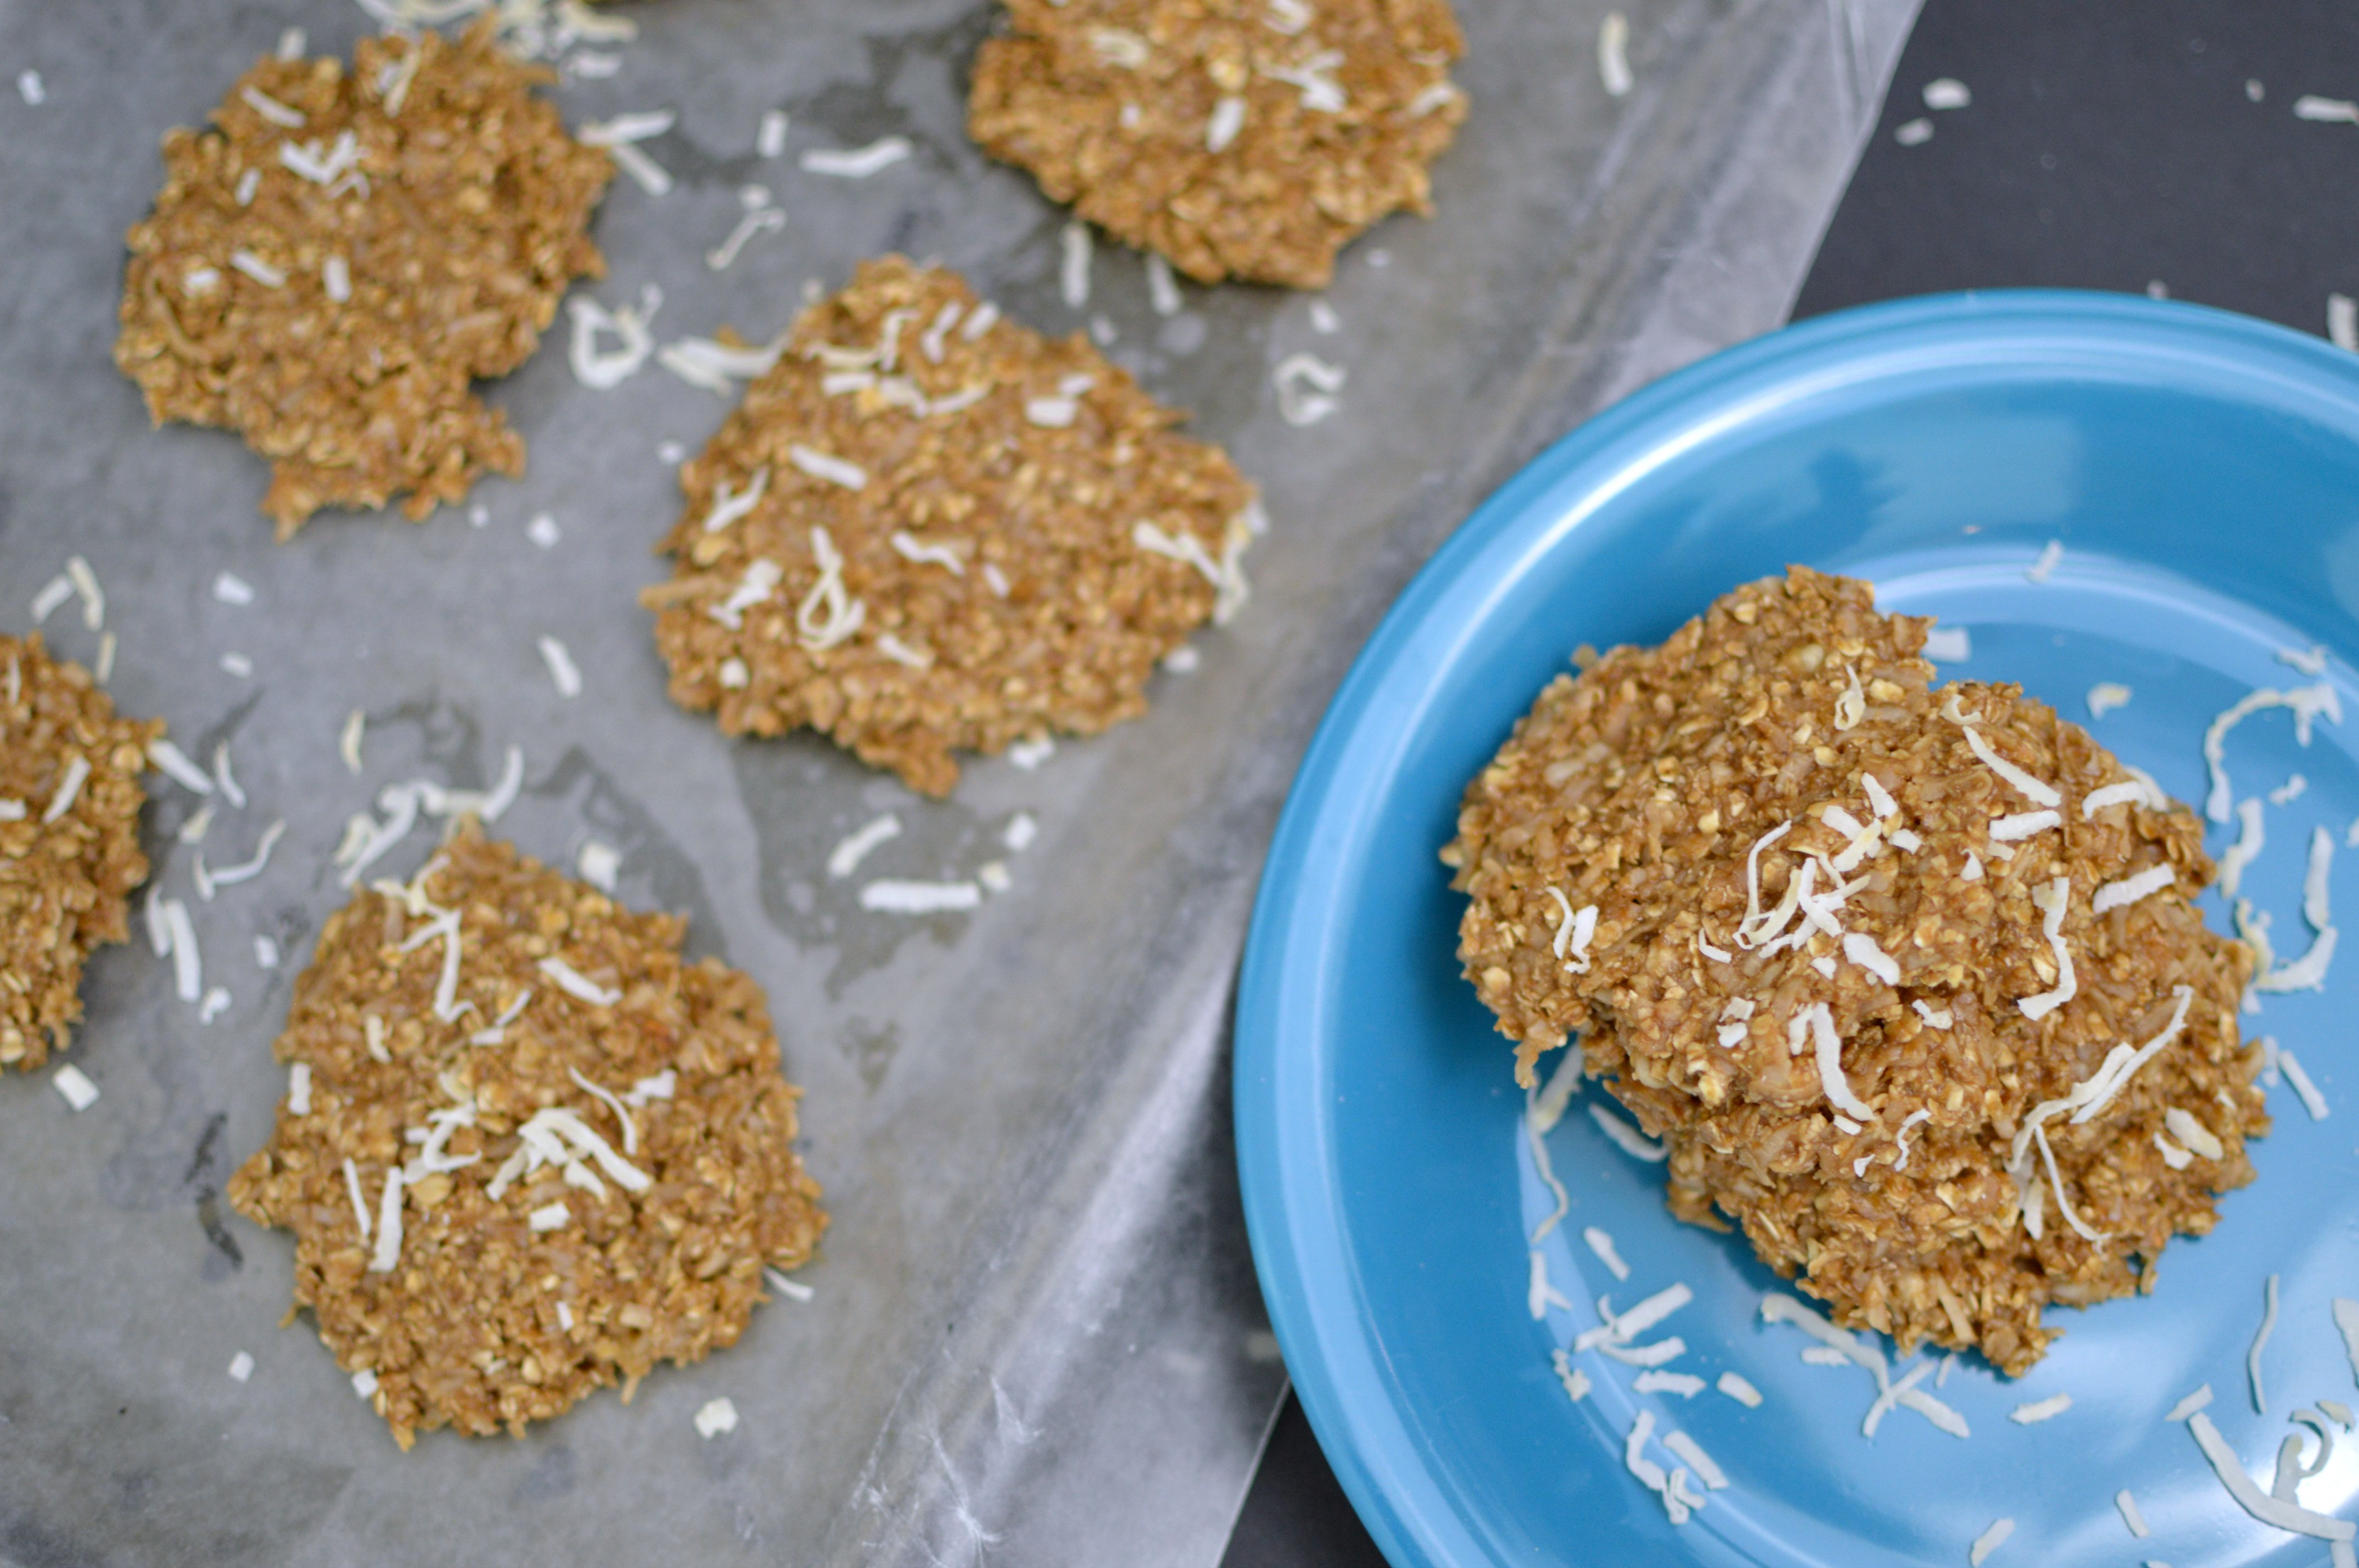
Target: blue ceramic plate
[{"x": 2202, "y": 474}]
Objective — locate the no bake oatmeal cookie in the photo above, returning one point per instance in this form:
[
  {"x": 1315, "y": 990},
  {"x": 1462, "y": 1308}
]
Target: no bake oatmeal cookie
[
  {"x": 928, "y": 528},
  {"x": 1239, "y": 139},
  {"x": 330, "y": 265},
  {"x": 526, "y": 1150},
  {"x": 70, "y": 855},
  {"x": 1911, "y": 982}
]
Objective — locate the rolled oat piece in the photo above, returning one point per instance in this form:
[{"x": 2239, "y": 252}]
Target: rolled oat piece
[
  {"x": 330, "y": 265},
  {"x": 71, "y": 791},
  {"x": 1910, "y": 981},
  {"x": 527, "y": 1151},
  {"x": 931, "y": 529},
  {"x": 1238, "y": 138}
]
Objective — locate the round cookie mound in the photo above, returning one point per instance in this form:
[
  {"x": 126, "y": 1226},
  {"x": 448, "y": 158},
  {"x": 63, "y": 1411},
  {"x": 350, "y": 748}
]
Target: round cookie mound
[
  {"x": 70, "y": 800},
  {"x": 527, "y": 1151},
  {"x": 327, "y": 267},
  {"x": 928, "y": 528},
  {"x": 1911, "y": 982},
  {"x": 1244, "y": 138}
]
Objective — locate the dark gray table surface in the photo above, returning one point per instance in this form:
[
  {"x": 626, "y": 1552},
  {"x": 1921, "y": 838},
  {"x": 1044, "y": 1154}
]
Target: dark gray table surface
[{"x": 2107, "y": 146}]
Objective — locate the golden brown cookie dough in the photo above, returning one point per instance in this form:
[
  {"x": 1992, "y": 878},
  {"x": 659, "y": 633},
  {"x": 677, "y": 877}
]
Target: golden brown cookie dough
[
  {"x": 596, "y": 1145},
  {"x": 1241, "y": 139},
  {"x": 70, "y": 800},
  {"x": 326, "y": 270},
  {"x": 1910, "y": 1187},
  {"x": 929, "y": 527}
]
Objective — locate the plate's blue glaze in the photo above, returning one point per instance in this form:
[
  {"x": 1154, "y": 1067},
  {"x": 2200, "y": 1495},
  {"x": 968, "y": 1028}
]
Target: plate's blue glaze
[{"x": 2202, "y": 473}]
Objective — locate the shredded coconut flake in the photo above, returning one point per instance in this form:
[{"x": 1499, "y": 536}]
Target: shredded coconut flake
[
  {"x": 2051, "y": 901},
  {"x": 613, "y": 1102},
  {"x": 1650, "y": 1474},
  {"x": 2203, "y": 1396},
  {"x": 716, "y": 367},
  {"x": 603, "y": 369},
  {"x": 2106, "y": 696},
  {"x": 2311, "y": 1100},
  {"x": 388, "y": 1255},
  {"x": 1879, "y": 798},
  {"x": 2192, "y": 1133},
  {"x": 759, "y": 220},
  {"x": 2130, "y": 890},
  {"x": 1740, "y": 1389},
  {"x": 2307, "y": 703},
  {"x": 74, "y": 1085},
  {"x": 1542, "y": 1295},
  {"x": 1547, "y": 1106},
  {"x": 2048, "y": 1409},
  {"x": 1228, "y": 118},
  {"x": 1306, "y": 389},
  {"x": 2260, "y": 1341},
  {"x": 599, "y": 865},
  {"x": 2031, "y": 787},
  {"x": 1685, "y": 1385},
  {"x": 770, "y": 140},
  {"x": 1829, "y": 1048},
  {"x": 253, "y": 266},
  {"x": 2259, "y": 1503},
  {"x": 1603, "y": 1246},
  {"x": 897, "y": 897},
  {"x": 846, "y": 858},
  {"x": 2040, "y": 571},
  {"x": 856, "y": 163},
  {"x": 1990, "y": 1541},
  {"x": 188, "y": 963},
  {"x": 1613, "y": 55},
  {"x": 562, "y": 668},
  {"x": 175, "y": 763},
  {"x": 1535, "y": 1135},
  {"x": 270, "y": 108},
  {"x": 1948, "y": 645},
  {"x": 715, "y": 1417},
  {"x": 69, "y": 788},
  {"x": 573, "y": 982},
  {"x": 1862, "y": 950},
  {"x": 2023, "y": 825},
  {"x": 1627, "y": 1138}
]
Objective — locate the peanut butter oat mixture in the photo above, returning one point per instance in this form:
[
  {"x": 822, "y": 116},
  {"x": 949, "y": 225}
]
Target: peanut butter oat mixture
[
  {"x": 328, "y": 269},
  {"x": 1244, "y": 138},
  {"x": 70, "y": 800},
  {"x": 527, "y": 1151},
  {"x": 929, "y": 529},
  {"x": 1870, "y": 958}
]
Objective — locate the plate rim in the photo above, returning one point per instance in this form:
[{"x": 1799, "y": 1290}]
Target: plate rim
[{"x": 1292, "y": 1207}]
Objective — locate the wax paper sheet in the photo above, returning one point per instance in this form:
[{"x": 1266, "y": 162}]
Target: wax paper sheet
[{"x": 1034, "y": 1335}]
